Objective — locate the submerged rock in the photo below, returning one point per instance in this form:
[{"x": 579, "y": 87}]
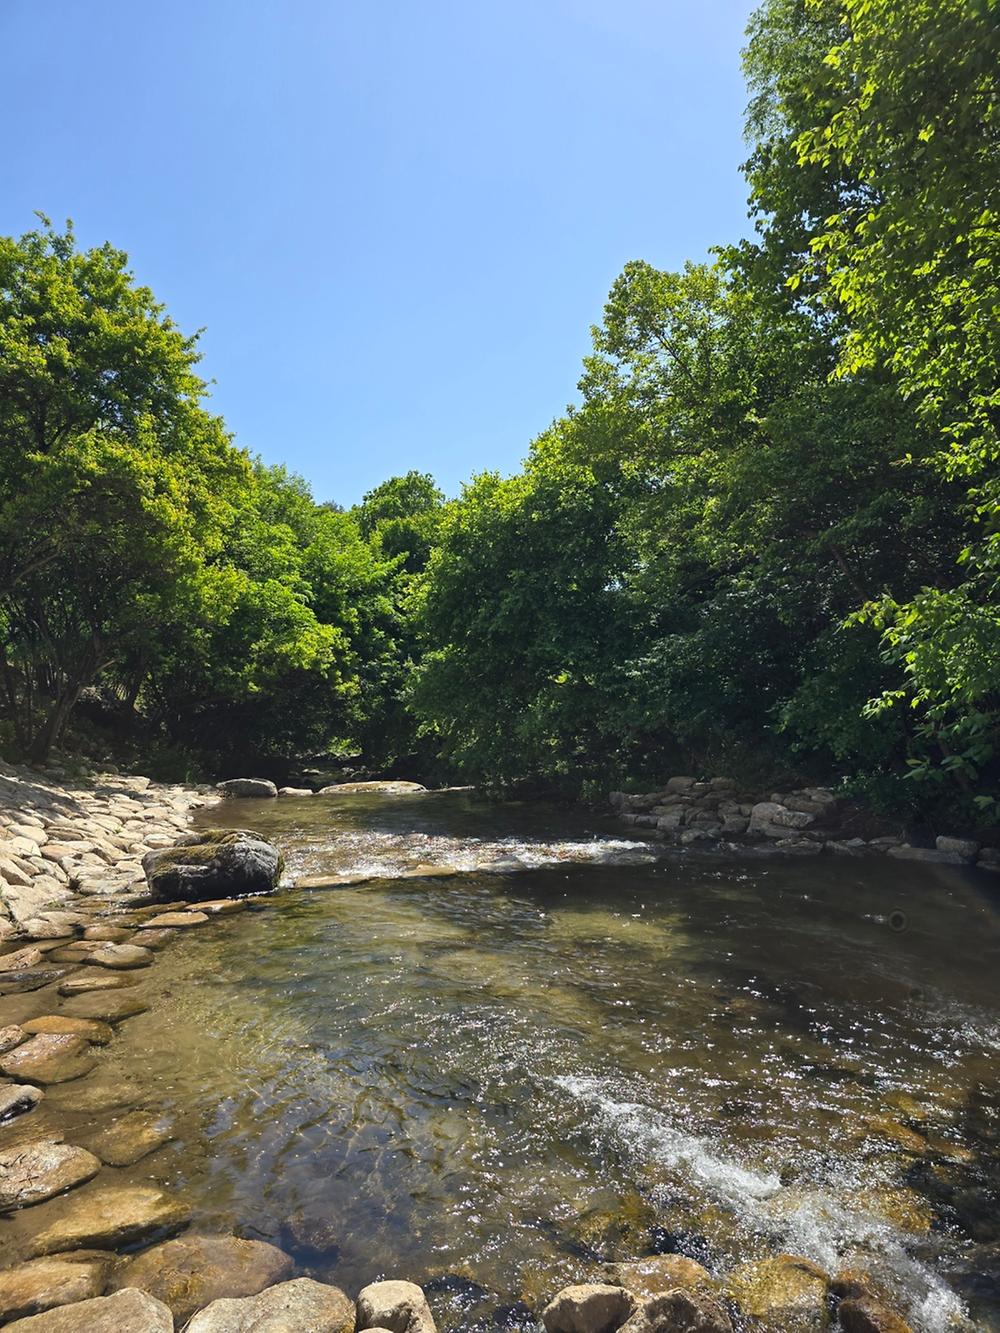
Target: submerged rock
[
  {"x": 246, "y": 788},
  {"x": 218, "y": 864},
  {"x": 131, "y": 1137},
  {"x": 34, "y": 1172},
  {"x": 110, "y": 1217},
  {"x": 300, "y": 1306},
  {"x": 786, "y": 1294},
  {"x": 397, "y": 1305},
  {"x": 191, "y": 1271},
  {"x": 590, "y": 1307},
  {"x": 124, "y": 956},
  {"x": 90, "y": 979},
  {"x": 88, "y": 1028},
  {"x": 62, "y": 1279},
  {"x": 51, "y": 1057},
  {"x": 104, "y": 1007},
  {"x": 126, "y": 1312}
]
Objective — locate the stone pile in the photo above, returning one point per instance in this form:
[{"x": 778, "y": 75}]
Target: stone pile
[{"x": 804, "y": 822}]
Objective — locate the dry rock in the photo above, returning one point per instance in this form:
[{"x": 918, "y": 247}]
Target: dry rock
[
  {"x": 588, "y": 1308},
  {"x": 37, "y": 1171},
  {"x": 401, "y": 1306},
  {"x": 126, "y": 1311},
  {"x": 300, "y": 1306},
  {"x": 43, "y": 1284}
]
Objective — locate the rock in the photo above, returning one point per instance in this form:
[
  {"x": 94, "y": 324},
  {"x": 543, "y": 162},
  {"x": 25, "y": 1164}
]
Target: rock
[
  {"x": 680, "y": 785},
  {"x": 191, "y": 1271},
  {"x": 33, "y": 978},
  {"x": 37, "y": 1171},
  {"x": 966, "y": 848},
  {"x": 130, "y": 1138},
  {"x": 20, "y": 959},
  {"x": 171, "y": 920},
  {"x": 11, "y": 1036},
  {"x": 295, "y": 791},
  {"x": 865, "y": 1314},
  {"x": 105, "y": 1008},
  {"x": 989, "y": 859},
  {"x": 89, "y": 979},
  {"x": 770, "y": 819},
  {"x": 114, "y": 1216},
  {"x": 300, "y": 1306},
  {"x": 648, "y": 1277},
  {"x": 221, "y": 864},
  {"x": 376, "y": 788},
  {"x": 246, "y": 788},
  {"x": 125, "y": 956},
  {"x": 931, "y": 854},
  {"x": 786, "y": 1294},
  {"x": 798, "y": 846},
  {"x": 588, "y": 1308},
  {"x": 114, "y": 934},
  {"x": 157, "y": 939},
  {"x": 846, "y": 847},
  {"x": 401, "y": 1306},
  {"x": 679, "y": 1311},
  {"x": 49, "y": 1057},
  {"x": 695, "y": 835},
  {"x": 219, "y": 907},
  {"x": 17, "y": 1098},
  {"x": 97, "y": 1033},
  {"x": 125, "y": 1312},
  {"x": 43, "y": 1284}
]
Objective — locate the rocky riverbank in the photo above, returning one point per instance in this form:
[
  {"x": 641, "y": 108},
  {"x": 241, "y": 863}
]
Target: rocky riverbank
[{"x": 808, "y": 821}]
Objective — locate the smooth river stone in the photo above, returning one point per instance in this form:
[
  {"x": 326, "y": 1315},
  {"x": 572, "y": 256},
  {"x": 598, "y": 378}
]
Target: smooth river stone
[
  {"x": 11, "y": 1036},
  {"x": 130, "y": 1138},
  {"x": 121, "y": 956},
  {"x": 32, "y": 978},
  {"x": 157, "y": 939},
  {"x": 106, "y": 1008},
  {"x": 91, "y": 979},
  {"x": 50, "y": 1057},
  {"x": 88, "y": 1028},
  {"x": 114, "y": 1216},
  {"x": 300, "y": 1306},
  {"x": 219, "y": 906},
  {"x": 126, "y": 1311},
  {"x": 397, "y": 1305},
  {"x": 111, "y": 934},
  {"x": 37, "y": 1171},
  {"x": 173, "y": 919},
  {"x": 21, "y": 959},
  {"x": 43, "y": 1284},
  {"x": 17, "y": 1098},
  {"x": 191, "y": 1271}
]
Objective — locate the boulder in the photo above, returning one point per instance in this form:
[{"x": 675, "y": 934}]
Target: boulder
[
  {"x": 34, "y": 1172},
  {"x": 246, "y": 788},
  {"x": 191, "y": 1271},
  {"x": 590, "y": 1307},
  {"x": 785, "y": 1294},
  {"x": 648, "y": 1277},
  {"x": 113, "y": 934},
  {"x": 43, "y": 1284},
  {"x": 679, "y": 1311},
  {"x": 679, "y": 786},
  {"x": 49, "y": 1057},
  {"x": 989, "y": 859},
  {"x": 300, "y": 1306},
  {"x": 131, "y": 1137},
  {"x": 17, "y": 1098},
  {"x": 865, "y": 1314},
  {"x": 20, "y": 959},
  {"x": 114, "y": 1216},
  {"x": 125, "y": 1312},
  {"x": 220, "y": 864},
  {"x": 966, "y": 848},
  {"x": 375, "y": 788},
  {"x": 400, "y": 1306},
  {"x": 770, "y": 819},
  {"x": 930, "y": 854}
]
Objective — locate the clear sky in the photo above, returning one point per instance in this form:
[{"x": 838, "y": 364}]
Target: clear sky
[{"x": 395, "y": 219}]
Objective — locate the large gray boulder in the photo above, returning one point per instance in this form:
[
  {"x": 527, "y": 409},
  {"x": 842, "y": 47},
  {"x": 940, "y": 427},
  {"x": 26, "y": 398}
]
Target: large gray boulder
[
  {"x": 214, "y": 863},
  {"x": 243, "y": 788}
]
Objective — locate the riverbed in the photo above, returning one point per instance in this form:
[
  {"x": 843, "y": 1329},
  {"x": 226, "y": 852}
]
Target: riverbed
[{"x": 577, "y": 1050}]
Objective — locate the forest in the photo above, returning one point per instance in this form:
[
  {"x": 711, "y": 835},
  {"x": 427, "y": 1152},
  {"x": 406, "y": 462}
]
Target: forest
[{"x": 764, "y": 541}]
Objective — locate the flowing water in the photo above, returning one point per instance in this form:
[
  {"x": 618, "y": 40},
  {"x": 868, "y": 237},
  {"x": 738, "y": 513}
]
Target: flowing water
[{"x": 493, "y": 1083}]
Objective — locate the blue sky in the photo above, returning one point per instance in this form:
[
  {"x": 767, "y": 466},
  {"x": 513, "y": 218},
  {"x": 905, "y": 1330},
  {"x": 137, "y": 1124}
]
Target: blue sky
[{"x": 396, "y": 221}]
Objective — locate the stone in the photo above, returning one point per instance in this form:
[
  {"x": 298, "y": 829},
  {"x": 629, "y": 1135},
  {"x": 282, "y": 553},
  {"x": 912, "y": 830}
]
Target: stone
[
  {"x": 219, "y": 906},
  {"x": 125, "y": 956},
  {"x": 172, "y": 920},
  {"x": 846, "y": 846},
  {"x": 157, "y": 939},
  {"x": 11, "y": 1036},
  {"x": 246, "y": 788},
  {"x": 930, "y": 854},
  {"x": 220, "y": 864},
  {"x": 300, "y": 1306},
  {"x": 989, "y": 859},
  {"x": 43, "y": 1284},
  {"x": 90, "y": 979},
  {"x": 397, "y": 1305},
  {"x": 191, "y": 1271},
  {"x": 33, "y": 1172},
  {"x": 679, "y": 1311},
  {"x": 773, "y": 820},
  {"x": 131, "y": 1137},
  {"x": 17, "y": 1098},
  {"x": 97, "y": 1033},
  {"x": 798, "y": 846},
  {"x": 295, "y": 791},
  {"x": 114, "y": 934},
  {"x": 648, "y": 1277},
  {"x": 966, "y": 848},
  {"x": 106, "y": 1218},
  {"x": 125, "y": 1312},
  {"x": 376, "y": 788},
  {"x": 49, "y": 1057},
  {"x": 588, "y": 1308},
  {"x": 866, "y": 1314},
  {"x": 33, "y": 978},
  {"x": 20, "y": 959},
  {"x": 113, "y": 1008},
  {"x": 786, "y": 1294},
  {"x": 681, "y": 785}
]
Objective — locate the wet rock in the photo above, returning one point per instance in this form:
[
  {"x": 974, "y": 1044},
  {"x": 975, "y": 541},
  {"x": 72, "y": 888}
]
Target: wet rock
[
  {"x": 221, "y": 864},
  {"x": 49, "y": 1057},
  {"x": 295, "y": 791},
  {"x": 157, "y": 939},
  {"x": 679, "y": 1311},
  {"x": 401, "y": 1306},
  {"x": 130, "y": 1138},
  {"x": 377, "y": 788},
  {"x": 966, "y": 848},
  {"x": 317, "y": 1234},
  {"x": 89, "y": 979},
  {"x": 300, "y": 1306},
  {"x": 786, "y": 1294},
  {"x": 21, "y": 959},
  {"x": 246, "y": 788},
  {"x": 111, "y": 934},
  {"x": 126, "y": 1312},
  {"x": 43, "y": 1284},
  {"x": 866, "y": 1314},
  {"x": 111, "y": 1217},
  {"x": 11, "y": 1036},
  {"x": 34, "y": 1172},
  {"x": 105, "y": 1008},
  {"x": 648, "y": 1277},
  {"x": 18, "y": 1098},
  {"x": 191, "y": 1271},
  {"x": 88, "y": 1028},
  {"x": 125, "y": 956},
  {"x": 33, "y": 978},
  {"x": 588, "y": 1308},
  {"x": 219, "y": 907},
  {"x": 173, "y": 921}
]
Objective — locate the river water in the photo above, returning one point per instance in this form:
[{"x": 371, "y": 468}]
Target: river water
[{"x": 585, "y": 1050}]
